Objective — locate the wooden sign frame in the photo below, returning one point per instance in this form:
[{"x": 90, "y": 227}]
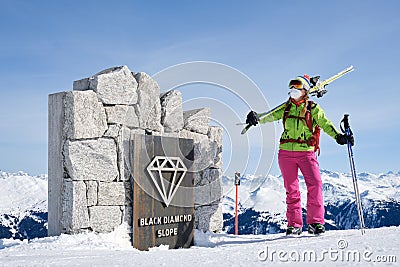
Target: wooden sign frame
[{"x": 157, "y": 221}]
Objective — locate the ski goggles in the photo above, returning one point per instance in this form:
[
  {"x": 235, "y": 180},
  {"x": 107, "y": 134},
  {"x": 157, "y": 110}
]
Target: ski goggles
[{"x": 296, "y": 84}]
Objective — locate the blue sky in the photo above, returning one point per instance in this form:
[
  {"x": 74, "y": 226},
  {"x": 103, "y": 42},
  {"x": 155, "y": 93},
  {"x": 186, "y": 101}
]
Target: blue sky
[{"x": 46, "y": 45}]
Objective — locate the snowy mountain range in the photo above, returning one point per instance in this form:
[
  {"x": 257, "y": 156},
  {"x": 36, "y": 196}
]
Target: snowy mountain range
[
  {"x": 262, "y": 202},
  {"x": 23, "y": 203}
]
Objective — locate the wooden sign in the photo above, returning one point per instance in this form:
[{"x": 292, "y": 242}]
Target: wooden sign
[{"x": 163, "y": 199}]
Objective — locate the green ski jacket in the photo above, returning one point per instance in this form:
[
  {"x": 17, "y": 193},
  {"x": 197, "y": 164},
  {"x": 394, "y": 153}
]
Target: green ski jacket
[{"x": 295, "y": 128}]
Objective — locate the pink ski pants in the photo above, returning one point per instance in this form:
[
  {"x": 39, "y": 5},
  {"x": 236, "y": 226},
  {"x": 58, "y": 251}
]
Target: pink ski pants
[{"x": 290, "y": 162}]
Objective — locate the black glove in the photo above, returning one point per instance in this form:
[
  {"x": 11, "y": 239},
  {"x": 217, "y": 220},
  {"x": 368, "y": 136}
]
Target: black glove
[
  {"x": 342, "y": 139},
  {"x": 252, "y": 118}
]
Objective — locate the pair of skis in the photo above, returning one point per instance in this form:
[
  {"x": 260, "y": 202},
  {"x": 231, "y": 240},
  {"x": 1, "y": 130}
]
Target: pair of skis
[{"x": 317, "y": 90}]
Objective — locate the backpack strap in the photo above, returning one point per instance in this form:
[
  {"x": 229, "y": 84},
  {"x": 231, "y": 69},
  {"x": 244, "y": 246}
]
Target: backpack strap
[
  {"x": 308, "y": 116},
  {"x": 286, "y": 113},
  {"x": 314, "y": 139},
  {"x": 307, "y": 119}
]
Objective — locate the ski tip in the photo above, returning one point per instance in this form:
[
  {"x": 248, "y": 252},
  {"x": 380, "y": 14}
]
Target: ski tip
[{"x": 245, "y": 129}]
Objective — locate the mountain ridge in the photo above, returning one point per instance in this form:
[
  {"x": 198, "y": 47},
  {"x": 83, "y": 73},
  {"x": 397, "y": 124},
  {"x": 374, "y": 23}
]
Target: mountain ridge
[
  {"x": 262, "y": 201},
  {"x": 23, "y": 202}
]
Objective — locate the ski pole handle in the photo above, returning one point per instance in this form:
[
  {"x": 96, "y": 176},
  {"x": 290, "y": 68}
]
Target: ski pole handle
[
  {"x": 347, "y": 131},
  {"x": 346, "y": 121}
]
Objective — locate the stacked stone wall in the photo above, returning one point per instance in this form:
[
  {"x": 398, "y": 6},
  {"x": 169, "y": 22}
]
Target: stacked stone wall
[{"x": 90, "y": 177}]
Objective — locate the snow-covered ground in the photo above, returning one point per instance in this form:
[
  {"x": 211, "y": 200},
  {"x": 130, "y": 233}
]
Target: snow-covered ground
[{"x": 342, "y": 248}]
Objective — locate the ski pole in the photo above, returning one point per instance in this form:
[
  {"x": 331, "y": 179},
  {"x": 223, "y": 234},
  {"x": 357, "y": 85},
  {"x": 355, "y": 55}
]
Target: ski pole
[{"x": 347, "y": 131}]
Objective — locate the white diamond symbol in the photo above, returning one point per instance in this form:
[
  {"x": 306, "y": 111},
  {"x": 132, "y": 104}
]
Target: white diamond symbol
[{"x": 167, "y": 174}]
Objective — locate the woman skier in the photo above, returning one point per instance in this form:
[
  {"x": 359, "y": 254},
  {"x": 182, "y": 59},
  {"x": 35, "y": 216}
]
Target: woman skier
[{"x": 302, "y": 120}]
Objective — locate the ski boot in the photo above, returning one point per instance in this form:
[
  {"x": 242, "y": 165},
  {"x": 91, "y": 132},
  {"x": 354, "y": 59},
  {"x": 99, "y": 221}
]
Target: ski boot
[
  {"x": 291, "y": 230},
  {"x": 316, "y": 228}
]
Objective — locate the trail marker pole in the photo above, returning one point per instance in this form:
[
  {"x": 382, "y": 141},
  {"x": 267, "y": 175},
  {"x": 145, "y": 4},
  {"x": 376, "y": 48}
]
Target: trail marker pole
[{"x": 237, "y": 183}]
